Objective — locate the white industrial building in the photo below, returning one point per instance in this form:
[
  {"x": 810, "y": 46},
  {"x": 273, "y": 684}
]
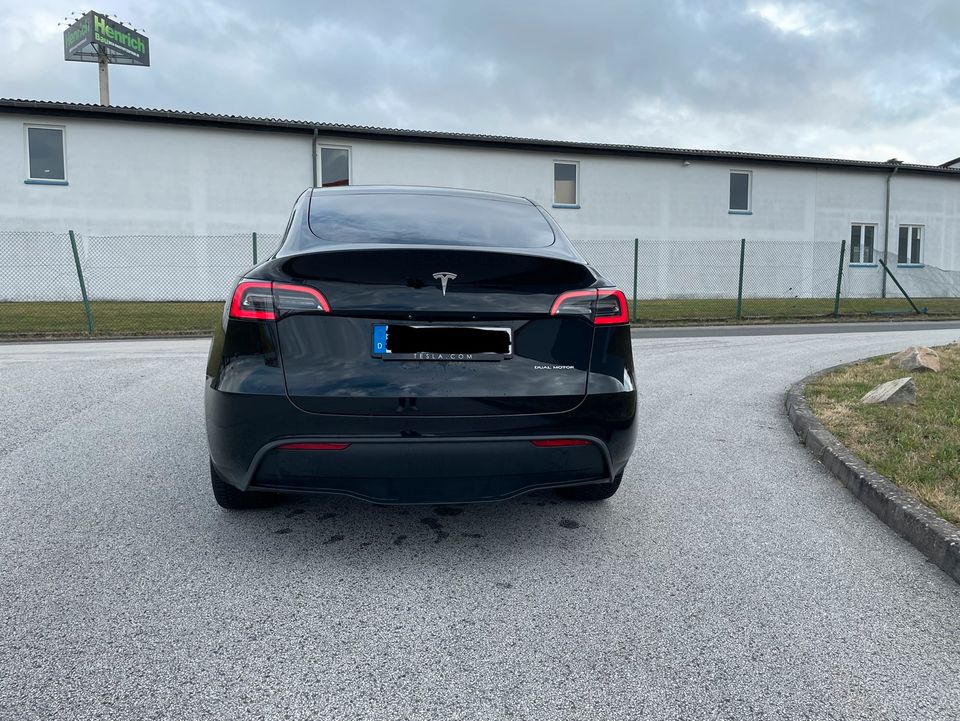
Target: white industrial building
[{"x": 115, "y": 171}]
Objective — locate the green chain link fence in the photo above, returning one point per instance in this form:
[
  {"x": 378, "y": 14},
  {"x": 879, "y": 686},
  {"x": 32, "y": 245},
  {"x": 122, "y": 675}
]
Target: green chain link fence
[
  {"x": 743, "y": 280},
  {"x": 68, "y": 284}
]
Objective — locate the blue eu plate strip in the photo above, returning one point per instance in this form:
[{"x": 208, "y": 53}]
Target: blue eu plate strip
[{"x": 379, "y": 339}]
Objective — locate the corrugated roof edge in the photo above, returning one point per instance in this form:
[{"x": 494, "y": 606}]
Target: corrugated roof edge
[{"x": 51, "y": 107}]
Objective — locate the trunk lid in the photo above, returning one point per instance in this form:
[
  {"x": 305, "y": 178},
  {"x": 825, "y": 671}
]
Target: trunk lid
[{"x": 430, "y": 296}]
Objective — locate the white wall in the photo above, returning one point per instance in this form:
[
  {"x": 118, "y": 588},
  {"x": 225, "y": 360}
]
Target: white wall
[
  {"x": 934, "y": 204},
  {"x": 129, "y": 182},
  {"x": 845, "y": 197},
  {"x": 619, "y": 197},
  {"x": 151, "y": 179}
]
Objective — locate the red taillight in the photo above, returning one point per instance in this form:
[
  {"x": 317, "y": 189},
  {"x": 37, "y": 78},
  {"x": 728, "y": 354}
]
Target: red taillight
[
  {"x": 289, "y": 297},
  {"x": 313, "y": 446},
  {"x": 560, "y": 442},
  {"x": 253, "y": 300},
  {"x": 606, "y": 306},
  {"x": 611, "y": 307},
  {"x": 262, "y": 300},
  {"x": 574, "y": 302}
]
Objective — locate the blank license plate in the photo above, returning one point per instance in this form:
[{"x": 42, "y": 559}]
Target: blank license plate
[{"x": 441, "y": 343}]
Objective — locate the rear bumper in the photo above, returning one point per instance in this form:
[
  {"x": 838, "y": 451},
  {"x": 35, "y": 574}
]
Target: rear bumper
[
  {"x": 428, "y": 470},
  {"x": 409, "y": 459}
]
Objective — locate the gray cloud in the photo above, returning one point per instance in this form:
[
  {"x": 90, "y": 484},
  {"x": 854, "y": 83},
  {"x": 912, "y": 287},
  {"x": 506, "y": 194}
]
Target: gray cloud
[{"x": 862, "y": 78}]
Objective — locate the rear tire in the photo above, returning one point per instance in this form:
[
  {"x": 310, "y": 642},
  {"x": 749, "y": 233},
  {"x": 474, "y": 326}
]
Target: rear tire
[
  {"x": 593, "y": 492},
  {"x": 232, "y": 498}
]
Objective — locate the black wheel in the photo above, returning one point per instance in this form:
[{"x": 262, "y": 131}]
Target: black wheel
[
  {"x": 593, "y": 492},
  {"x": 232, "y": 498}
]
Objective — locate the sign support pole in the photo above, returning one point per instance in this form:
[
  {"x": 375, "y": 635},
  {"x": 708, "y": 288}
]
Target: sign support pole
[{"x": 104, "y": 77}]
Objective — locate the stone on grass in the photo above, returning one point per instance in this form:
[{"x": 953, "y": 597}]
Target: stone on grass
[
  {"x": 899, "y": 392},
  {"x": 917, "y": 358}
]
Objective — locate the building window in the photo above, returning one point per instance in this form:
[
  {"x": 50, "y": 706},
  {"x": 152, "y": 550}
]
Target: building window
[
  {"x": 740, "y": 191},
  {"x": 46, "y": 162},
  {"x": 910, "y": 238},
  {"x": 565, "y": 185},
  {"x": 861, "y": 243},
  {"x": 334, "y": 166}
]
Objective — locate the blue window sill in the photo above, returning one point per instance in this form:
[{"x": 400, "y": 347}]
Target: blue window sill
[
  {"x": 864, "y": 265},
  {"x": 572, "y": 206},
  {"x": 740, "y": 212},
  {"x": 910, "y": 265},
  {"x": 45, "y": 182}
]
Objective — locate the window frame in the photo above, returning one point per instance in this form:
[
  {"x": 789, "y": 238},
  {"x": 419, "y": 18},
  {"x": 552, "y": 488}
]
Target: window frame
[
  {"x": 860, "y": 263},
  {"x": 28, "y": 178},
  {"x": 334, "y": 146},
  {"x": 920, "y": 241},
  {"x": 749, "y": 208},
  {"x": 576, "y": 183}
]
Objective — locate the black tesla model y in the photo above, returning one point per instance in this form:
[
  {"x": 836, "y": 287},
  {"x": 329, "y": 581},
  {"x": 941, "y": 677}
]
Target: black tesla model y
[{"x": 420, "y": 345}]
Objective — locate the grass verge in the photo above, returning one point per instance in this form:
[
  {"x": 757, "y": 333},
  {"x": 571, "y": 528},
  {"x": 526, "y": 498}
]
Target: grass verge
[
  {"x": 789, "y": 309},
  {"x": 916, "y": 447},
  {"x": 128, "y": 318},
  {"x": 54, "y": 319}
]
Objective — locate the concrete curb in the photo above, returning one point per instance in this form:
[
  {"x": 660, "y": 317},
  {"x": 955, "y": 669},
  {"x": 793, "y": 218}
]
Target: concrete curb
[{"x": 937, "y": 539}]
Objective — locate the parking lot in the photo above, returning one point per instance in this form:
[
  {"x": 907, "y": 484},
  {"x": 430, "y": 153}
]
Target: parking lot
[{"x": 731, "y": 577}]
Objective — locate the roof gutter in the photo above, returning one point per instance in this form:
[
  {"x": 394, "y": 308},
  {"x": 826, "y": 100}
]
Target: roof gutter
[{"x": 314, "y": 155}]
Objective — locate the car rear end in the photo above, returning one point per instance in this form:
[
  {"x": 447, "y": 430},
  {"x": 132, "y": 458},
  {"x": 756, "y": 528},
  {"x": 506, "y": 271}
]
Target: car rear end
[{"x": 416, "y": 345}]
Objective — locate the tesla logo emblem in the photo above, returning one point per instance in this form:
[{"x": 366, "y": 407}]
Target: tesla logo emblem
[{"x": 443, "y": 278}]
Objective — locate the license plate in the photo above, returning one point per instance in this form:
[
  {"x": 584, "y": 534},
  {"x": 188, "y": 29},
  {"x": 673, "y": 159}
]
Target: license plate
[{"x": 441, "y": 343}]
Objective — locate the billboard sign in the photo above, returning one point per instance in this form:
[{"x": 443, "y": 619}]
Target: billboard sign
[{"x": 94, "y": 33}]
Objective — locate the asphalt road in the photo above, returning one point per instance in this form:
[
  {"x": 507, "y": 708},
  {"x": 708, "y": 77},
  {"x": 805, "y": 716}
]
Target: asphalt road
[{"x": 731, "y": 578}]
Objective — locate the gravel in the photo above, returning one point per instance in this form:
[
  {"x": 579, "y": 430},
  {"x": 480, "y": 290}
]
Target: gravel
[{"x": 731, "y": 577}]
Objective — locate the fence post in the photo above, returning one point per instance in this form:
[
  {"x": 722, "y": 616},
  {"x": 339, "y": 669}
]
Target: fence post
[
  {"x": 836, "y": 298},
  {"x": 636, "y": 266},
  {"x": 913, "y": 305},
  {"x": 83, "y": 287},
  {"x": 743, "y": 252},
  {"x": 254, "y": 248}
]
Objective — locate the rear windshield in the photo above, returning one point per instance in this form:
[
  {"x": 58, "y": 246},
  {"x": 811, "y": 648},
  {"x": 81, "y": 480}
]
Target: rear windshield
[{"x": 406, "y": 218}]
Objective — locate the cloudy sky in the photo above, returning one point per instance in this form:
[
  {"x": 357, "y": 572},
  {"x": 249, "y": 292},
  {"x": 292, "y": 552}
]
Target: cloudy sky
[{"x": 868, "y": 79}]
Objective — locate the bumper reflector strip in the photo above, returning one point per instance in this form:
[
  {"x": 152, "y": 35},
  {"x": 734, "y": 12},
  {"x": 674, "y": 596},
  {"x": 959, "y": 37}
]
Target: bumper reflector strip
[
  {"x": 313, "y": 446},
  {"x": 560, "y": 442}
]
